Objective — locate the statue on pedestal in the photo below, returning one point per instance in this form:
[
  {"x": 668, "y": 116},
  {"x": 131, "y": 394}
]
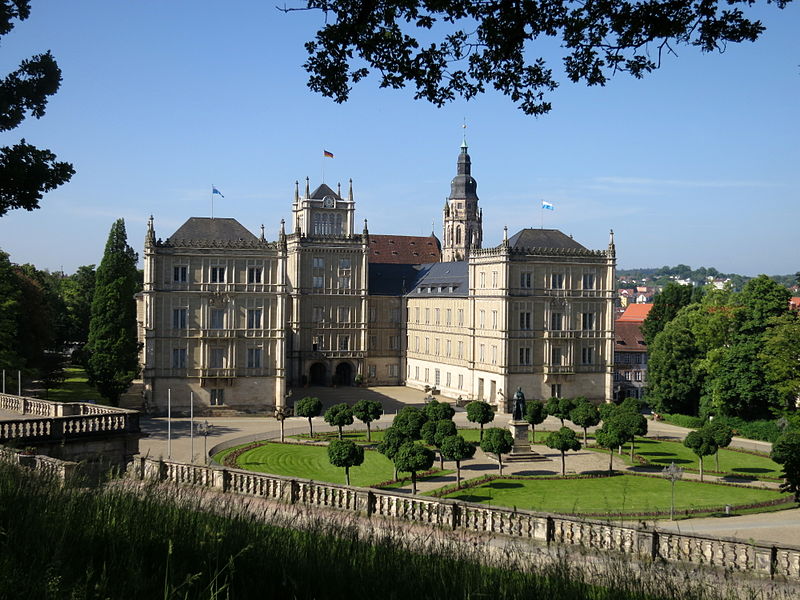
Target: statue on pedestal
[{"x": 519, "y": 405}]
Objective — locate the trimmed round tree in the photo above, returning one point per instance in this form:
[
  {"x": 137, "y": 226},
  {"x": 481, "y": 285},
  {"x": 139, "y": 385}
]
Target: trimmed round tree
[
  {"x": 584, "y": 415},
  {"x": 630, "y": 424},
  {"x": 345, "y": 453},
  {"x": 480, "y": 412},
  {"x": 433, "y": 432},
  {"x": 410, "y": 420},
  {"x": 367, "y": 411},
  {"x": 722, "y": 435},
  {"x": 702, "y": 444},
  {"x": 309, "y": 408},
  {"x": 786, "y": 452},
  {"x": 534, "y": 415},
  {"x": 559, "y": 408},
  {"x": 339, "y": 415},
  {"x": 497, "y": 441},
  {"x": 393, "y": 439},
  {"x": 438, "y": 411},
  {"x": 412, "y": 458},
  {"x": 562, "y": 440},
  {"x": 456, "y": 448},
  {"x": 609, "y": 436}
]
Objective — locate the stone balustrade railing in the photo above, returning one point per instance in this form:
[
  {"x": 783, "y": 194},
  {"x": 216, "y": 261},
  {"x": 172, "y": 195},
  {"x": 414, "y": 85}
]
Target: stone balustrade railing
[
  {"x": 62, "y": 420},
  {"x": 53, "y": 467},
  {"x": 652, "y": 544}
]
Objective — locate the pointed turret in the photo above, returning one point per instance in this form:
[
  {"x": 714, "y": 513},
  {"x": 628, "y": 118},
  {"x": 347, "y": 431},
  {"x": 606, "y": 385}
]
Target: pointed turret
[
  {"x": 463, "y": 230},
  {"x": 150, "y": 236},
  {"x": 350, "y": 193},
  {"x": 308, "y": 187}
]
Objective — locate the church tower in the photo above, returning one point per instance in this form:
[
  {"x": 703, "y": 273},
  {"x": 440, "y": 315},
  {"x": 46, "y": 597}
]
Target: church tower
[{"x": 463, "y": 220}]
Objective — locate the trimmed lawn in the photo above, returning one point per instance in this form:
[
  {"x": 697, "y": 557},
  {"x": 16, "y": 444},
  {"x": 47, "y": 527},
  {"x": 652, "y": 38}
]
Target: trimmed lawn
[
  {"x": 624, "y": 493},
  {"x": 311, "y": 462},
  {"x": 659, "y": 452},
  {"x": 75, "y": 388}
]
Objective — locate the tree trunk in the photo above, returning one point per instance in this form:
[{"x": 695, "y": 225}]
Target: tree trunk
[
  {"x": 441, "y": 460},
  {"x": 458, "y": 474},
  {"x": 500, "y": 462},
  {"x": 701, "y": 468},
  {"x": 414, "y": 482},
  {"x": 369, "y": 432},
  {"x": 340, "y": 432},
  {"x": 610, "y": 460},
  {"x": 347, "y": 475},
  {"x": 395, "y": 473},
  {"x": 632, "y": 447},
  {"x": 563, "y": 465},
  {"x": 481, "y": 438},
  {"x": 310, "y": 427},
  {"x": 281, "y": 431},
  {"x": 585, "y": 429}
]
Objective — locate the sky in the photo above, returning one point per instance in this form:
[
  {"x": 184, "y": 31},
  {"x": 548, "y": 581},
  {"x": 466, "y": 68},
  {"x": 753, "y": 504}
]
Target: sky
[{"x": 697, "y": 163}]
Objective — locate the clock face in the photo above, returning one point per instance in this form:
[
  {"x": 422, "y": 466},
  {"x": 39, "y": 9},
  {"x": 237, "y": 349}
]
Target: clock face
[{"x": 328, "y": 202}]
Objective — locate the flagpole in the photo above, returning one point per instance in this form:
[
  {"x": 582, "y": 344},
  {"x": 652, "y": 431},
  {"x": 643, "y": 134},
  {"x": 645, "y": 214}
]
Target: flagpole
[{"x": 212, "y": 200}]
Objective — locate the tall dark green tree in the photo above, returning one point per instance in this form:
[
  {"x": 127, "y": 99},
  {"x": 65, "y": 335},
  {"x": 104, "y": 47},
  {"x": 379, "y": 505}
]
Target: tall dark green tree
[
  {"x": 739, "y": 385},
  {"x": 665, "y": 307},
  {"x": 762, "y": 300},
  {"x": 786, "y": 452},
  {"x": 113, "y": 351},
  {"x": 673, "y": 385},
  {"x": 77, "y": 292},
  {"x": 27, "y": 172},
  {"x": 10, "y": 300},
  {"x": 780, "y": 356}
]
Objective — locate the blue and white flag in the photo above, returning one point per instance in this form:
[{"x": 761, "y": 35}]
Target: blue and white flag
[
  {"x": 214, "y": 190},
  {"x": 547, "y": 205}
]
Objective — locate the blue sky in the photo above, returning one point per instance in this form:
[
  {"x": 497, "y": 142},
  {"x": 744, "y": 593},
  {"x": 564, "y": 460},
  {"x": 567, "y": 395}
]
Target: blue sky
[{"x": 695, "y": 164}]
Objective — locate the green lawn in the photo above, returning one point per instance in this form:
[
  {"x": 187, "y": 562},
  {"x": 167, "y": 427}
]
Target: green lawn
[
  {"x": 624, "y": 493},
  {"x": 311, "y": 462},
  {"x": 75, "y": 388},
  {"x": 660, "y": 452},
  {"x": 360, "y": 435}
]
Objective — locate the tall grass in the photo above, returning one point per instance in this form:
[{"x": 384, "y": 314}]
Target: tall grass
[{"x": 112, "y": 542}]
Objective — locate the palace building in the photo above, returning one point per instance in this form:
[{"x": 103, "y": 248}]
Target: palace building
[{"x": 233, "y": 320}]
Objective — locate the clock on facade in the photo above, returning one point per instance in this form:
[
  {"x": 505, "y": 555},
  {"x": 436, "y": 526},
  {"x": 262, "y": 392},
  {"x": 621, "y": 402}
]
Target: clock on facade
[{"x": 328, "y": 202}]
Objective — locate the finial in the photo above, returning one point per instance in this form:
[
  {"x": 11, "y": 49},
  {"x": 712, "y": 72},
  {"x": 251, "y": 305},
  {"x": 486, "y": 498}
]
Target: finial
[
  {"x": 433, "y": 226},
  {"x": 366, "y": 229},
  {"x": 308, "y": 191},
  {"x": 464, "y": 138},
  {"x": 262, "y": 232},
  {"x": 296, "y": 190},
  {"x": 611, "y": 238},
  {"x": 150, "y": 237},
  {"x": 282, "y": 231},
  {"x": 505, "y": 234},
  {"x": 339, "y": 189},
  {"x": 350, "y": 194},
  {"x": 612, "y": 250}
]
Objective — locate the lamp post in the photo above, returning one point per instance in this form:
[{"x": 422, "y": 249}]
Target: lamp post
[
  {"x": 204, "y": 429},
  {"x": 673, "y": 473}
]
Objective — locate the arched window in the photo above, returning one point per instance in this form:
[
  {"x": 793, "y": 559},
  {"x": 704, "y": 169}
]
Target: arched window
[{"x": 458, "y": 235}]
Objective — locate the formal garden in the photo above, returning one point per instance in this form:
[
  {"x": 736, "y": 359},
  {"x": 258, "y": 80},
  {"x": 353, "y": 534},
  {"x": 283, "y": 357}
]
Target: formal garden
[{"x": 425, "y": 446}]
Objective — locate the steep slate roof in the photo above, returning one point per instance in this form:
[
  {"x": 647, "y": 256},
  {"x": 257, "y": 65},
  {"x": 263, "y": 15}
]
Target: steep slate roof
[
  {"x": 404, "y": 249},
  {"x": 629, "y": 337},
  {"x": 543, "y": 238},
  {"x": 322, "y": 191},
  {"x": 635, "y": 313},
  {"x": 442, "y": 279},
  {"x": 391, "y": 279},
  {"x": 205, "y": 228}
]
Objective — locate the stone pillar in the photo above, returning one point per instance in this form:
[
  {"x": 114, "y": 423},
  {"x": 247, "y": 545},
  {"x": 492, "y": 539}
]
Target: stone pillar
[{"x": 521, "y": 451}]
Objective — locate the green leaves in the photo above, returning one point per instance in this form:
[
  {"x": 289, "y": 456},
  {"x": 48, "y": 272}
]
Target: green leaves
[{"x": 786, "y": 451}]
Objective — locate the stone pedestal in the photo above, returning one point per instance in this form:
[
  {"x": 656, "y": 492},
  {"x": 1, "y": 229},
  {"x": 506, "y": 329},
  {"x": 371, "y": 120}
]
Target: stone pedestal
[{"x": 521, "y": 451}]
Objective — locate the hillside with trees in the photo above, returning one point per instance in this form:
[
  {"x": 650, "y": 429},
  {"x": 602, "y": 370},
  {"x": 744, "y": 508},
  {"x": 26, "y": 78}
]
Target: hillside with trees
[{"x": 660, "y": 276}]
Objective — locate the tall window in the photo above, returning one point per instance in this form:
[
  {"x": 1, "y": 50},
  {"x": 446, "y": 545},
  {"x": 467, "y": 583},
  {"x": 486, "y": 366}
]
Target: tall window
[
  {"x": 373, "y": 315},
  {"x": 373, "y": 342},
  {"x": 436, "y": 316},
  {"x": 524, "y": 320},
  {"x": 318, "y": 262},
  {"x": 416, "y": 343},
  {"x": 448, "y": 315},
  {"x": 318, "y": 282},
  {"x": 217, "y": 358},
  {"x": 494, "y": 354},
  {"x": 587, "y": 356},
  {"x": 557, "y": 281},
  {"x": 448, "y": 348},
  {"x": 494, "y": 319},
  {"x": 482, "y": 319},
  {"x": 344, "y": 314},
  {"x": 427, "y": 375},
  {"x": 555, "y": 390},
  {"x": 436, "y": 346},
  {"x": 524, "y": 356},
  {"x": 416, "y": 314},
  {"x": 217, "y": 397},
  {"x": 179, "y": 274},
  {"x": 556, "y": 321},
  {"x": 460, "y": 349},
  {"x": 344, "y": 273},
  {"x": 525, "y": 279},
  {"x": 217, "y": 274},
  {"x": 460, "y": 382},
  {"x": 494, "y": 279},
  {"x": 427, "y": 316},
  {"x": 254, "y": 275},
  {"x": 372, "y": 371},
  {"x": 393, "y": 370},
  {"x": 217, "y": 318},
  {"x": 437, "y": 377},
  {"x": 317, "y": 314},
  {"x": 394, "y": 342},
  {"x": 416, "y": 373},
  {"x": 481, "y": 352},
  {"x": 179, "y": 318},
  {"x": 427, "y": 345},
  {"x": 483, "y": 279},
  {"x": 254, "y": 358},
  {"x": 555, "y": 356},
  {"x": 448, "y": 379},
  {"x": 254, "y": 318},
  {"x": 460, "y": 317},
  {"x": 394, "y": 315},
  {"x": 344, "y": 342},
  {"x": 587, "y": 321},
  {"x": 588, "y": 281},
  {"x": 179, "y": 358}
]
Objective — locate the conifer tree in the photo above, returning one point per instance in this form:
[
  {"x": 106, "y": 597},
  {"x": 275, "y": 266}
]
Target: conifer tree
[{"x": 113, "y": 349}]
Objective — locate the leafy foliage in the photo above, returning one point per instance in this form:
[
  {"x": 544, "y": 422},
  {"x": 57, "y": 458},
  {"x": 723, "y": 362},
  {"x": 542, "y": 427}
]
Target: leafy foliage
[
  {"x": 345, "y": 453},
  {"x": 113, "y": 347},
  {"x": 480, "y": 412},
  {"x": 702, "y": 443},
  {"x": 673, "y": 383},
  {"x": 609, "y": 436},
  {"x": 535, "y": 414},
  {"x": 563, "y": 440},
  {"x": 27, "y": 172},
  {"x": 665, "y": 307},
  {"x": 393, "y": 439},
  {"x": 309, "y": 408},
  {"x": 456, "y": 448},
  {"x": 410, "y": 421},
  {"x": 584, "y": 415},
  {"x": 559, "y": 408},
  {"x": 339, "y": 415},
  {"x": 437, "y": 411},
  {"x": 412, "y": 458},
  {"x": 786, "y": 452},
  {"x": 368, "y": 411},
  {"x": 497, "y": 441},
  {"x": 450, "y": 49}
]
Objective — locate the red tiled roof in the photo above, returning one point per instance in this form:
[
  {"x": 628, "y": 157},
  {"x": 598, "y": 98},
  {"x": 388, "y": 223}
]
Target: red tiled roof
[
  {"x": 794, "y": 303},
  {"x": 404, "y": 249},
  {"x": 629, "y": 337},
  {"x": 635, "y": 313}
]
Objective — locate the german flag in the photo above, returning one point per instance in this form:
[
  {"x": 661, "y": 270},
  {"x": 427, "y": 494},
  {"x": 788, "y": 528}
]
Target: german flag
[{"x": 327, "y": 154}]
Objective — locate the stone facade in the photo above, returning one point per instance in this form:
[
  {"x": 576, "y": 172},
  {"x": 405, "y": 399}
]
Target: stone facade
[{"x": 231, "y": 320}]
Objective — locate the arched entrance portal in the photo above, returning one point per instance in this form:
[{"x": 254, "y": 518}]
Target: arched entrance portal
[
  {"x": 317, "y": 374},
  {"x": 344, "y": 373}
]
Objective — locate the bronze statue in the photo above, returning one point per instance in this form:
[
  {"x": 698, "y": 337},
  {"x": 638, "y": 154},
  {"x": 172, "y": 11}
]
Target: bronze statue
[{"x": 519, "y": 405}]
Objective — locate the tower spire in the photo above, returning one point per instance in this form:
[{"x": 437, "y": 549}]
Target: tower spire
[{"x": 463, "y": 227}]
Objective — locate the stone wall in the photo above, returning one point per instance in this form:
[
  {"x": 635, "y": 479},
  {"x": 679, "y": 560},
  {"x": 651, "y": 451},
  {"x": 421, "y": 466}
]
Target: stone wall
[{"x": 649, "y": 544}]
